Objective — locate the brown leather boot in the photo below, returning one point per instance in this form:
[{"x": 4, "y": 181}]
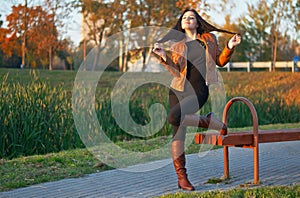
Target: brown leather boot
[
  {"x": 214, "y": 123},
  {"x": 196, "y": 120},
  {"x": 178, "y": 156},
  {"x": 210, "y": 121}
]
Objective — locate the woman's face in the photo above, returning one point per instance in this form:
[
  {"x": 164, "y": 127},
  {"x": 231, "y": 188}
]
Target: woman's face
[{"x": 189, "y": 21}]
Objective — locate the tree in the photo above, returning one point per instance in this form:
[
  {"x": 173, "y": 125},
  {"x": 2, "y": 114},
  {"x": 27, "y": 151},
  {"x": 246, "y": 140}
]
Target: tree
[
  {"x": 104, "y": 18},
  {"x": 239, "y": 54},
  {"x": 280, "y": 11},
  {"x": 64, "y": 52},
  {"x": 200, "y": 6},
  {"x": 100, "y": 18},
  {"x": 53, "y": 7},
  {"x": 24, "y": 35},
  {"x": 8, "y": 55},
  {"x": 156, "y": 13},
  {"x": 255, "y": 26},
  {"x": 267, "y": 26},
  {"x": 226, "y": 6},
  {"x": 59, "y": 10},
  {"x": 38, "y": 30},
  {"x": 150, "y": 13}
]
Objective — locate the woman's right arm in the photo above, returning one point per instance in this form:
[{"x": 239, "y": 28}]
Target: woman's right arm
[{"x": 167, "y": 62}]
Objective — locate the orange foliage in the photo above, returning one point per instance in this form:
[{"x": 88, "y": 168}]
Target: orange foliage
[{"x": 37, "y": 27}]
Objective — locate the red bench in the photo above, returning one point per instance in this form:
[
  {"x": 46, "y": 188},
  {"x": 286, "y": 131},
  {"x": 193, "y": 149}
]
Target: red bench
[{"x": 246, "y": 139}]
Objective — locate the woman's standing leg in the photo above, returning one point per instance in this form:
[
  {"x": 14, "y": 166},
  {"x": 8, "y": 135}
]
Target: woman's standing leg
[{"x": 177, "y": 145}]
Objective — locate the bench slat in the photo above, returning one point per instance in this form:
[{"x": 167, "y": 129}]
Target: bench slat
[
  {"x": 246, "y": 137},
  {"x": 279, "y": 135}
]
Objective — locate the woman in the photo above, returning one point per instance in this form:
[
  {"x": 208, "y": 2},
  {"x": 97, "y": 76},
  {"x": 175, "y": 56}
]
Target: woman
[{"x": 193, "y": 62}]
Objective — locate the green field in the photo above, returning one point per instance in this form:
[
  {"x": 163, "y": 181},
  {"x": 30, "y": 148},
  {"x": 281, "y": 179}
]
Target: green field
[{"x": 36, "y": 106}]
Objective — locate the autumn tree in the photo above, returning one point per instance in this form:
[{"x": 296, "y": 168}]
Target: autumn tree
[
  {"x": 104, "y": 18},
  {"x": 100, "y": 18},
  {"x": 6, "y": 51},
  {"x": 239, "y": 55},
  {"x": 24, "y": 33},
  {"x": 230, "y": 24},
  {"x": 201, "y": 6},
  {"x": 58, "y": 11},
  {"x": 150, "y": 13},
  {"x": 39, "y": 24},
  {"x": 156, "y": 13}
]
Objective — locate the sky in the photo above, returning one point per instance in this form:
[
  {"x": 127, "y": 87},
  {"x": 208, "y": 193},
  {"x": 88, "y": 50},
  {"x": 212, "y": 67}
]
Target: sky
[{"x": 72, "y": 27}]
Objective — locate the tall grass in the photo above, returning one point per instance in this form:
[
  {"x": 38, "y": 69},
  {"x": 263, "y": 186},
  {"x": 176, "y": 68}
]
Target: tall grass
[{"x": 36, "y": 116}]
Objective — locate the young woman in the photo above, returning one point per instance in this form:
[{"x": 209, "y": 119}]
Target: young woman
[{"x": 193, "y": 61}]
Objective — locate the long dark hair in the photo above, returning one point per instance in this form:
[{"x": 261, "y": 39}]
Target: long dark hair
[{"x": 177, "y": 33}]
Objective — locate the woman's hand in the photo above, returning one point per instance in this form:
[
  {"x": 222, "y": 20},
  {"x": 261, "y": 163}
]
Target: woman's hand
[
  {"x": 159, "y": 51},
  {"x": 234, "y": 41}
]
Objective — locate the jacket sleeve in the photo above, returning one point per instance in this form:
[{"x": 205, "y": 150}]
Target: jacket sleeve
[
  {"x": 172, "y": 67},
  {"x": 223, "y": 56}
]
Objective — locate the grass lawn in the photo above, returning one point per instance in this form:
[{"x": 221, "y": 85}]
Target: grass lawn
[
  {"x": 262, "y": 192},
  {"x": 25, "y": 171}
]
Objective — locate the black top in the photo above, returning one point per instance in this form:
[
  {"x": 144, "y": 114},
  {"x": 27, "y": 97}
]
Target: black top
[{"x": 196, "y": 67}]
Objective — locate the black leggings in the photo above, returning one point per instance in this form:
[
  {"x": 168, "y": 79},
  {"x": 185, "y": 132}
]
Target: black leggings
[{"x": 182, "y": 104}]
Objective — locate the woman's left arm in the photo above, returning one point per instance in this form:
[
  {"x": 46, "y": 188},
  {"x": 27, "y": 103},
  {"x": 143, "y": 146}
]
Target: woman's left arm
[{"x": 223, "y": 56}]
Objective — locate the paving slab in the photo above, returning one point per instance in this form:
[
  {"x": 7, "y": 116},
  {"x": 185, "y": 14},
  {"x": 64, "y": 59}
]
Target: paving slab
[{"x": 279, "y": 164}]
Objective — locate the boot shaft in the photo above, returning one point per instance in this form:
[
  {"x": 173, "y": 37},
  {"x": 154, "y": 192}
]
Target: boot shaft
[
  {"x": 208, "y": 122},
  {"x": 179, "y": 162}
]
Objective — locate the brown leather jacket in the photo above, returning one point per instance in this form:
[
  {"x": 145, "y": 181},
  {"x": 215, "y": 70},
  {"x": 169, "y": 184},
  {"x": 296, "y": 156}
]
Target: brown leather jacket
[{"x": 177, "y": 64}]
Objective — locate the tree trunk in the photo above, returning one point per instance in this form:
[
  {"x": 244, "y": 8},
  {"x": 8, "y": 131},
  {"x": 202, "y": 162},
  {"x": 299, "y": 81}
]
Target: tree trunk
[
  {"x": 275, "y": 50},
  {"x": 126, "y": 51},
  {"x": 84, "y": 48},
  {"x": 23, "y": 49},
  {"x": 126, "y": 47},
  {"x": 145, "y": 51},
  {"x": 121, "y": 55},
  {"x": 50, "y": 58},
  {"x": 147, "y": 57},
  {"x": 24, "y": 37}
]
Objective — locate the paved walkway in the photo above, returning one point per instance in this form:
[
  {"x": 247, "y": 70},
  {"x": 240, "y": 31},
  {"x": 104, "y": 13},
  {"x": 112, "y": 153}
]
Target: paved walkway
[{"x": 279, "y": 165}]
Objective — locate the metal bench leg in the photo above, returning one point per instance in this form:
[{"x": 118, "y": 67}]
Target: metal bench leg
[
  {"x": 255, "y": 136},
  {"x": 226, "y": 163},
  {"x": 256, "y": 165}
]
